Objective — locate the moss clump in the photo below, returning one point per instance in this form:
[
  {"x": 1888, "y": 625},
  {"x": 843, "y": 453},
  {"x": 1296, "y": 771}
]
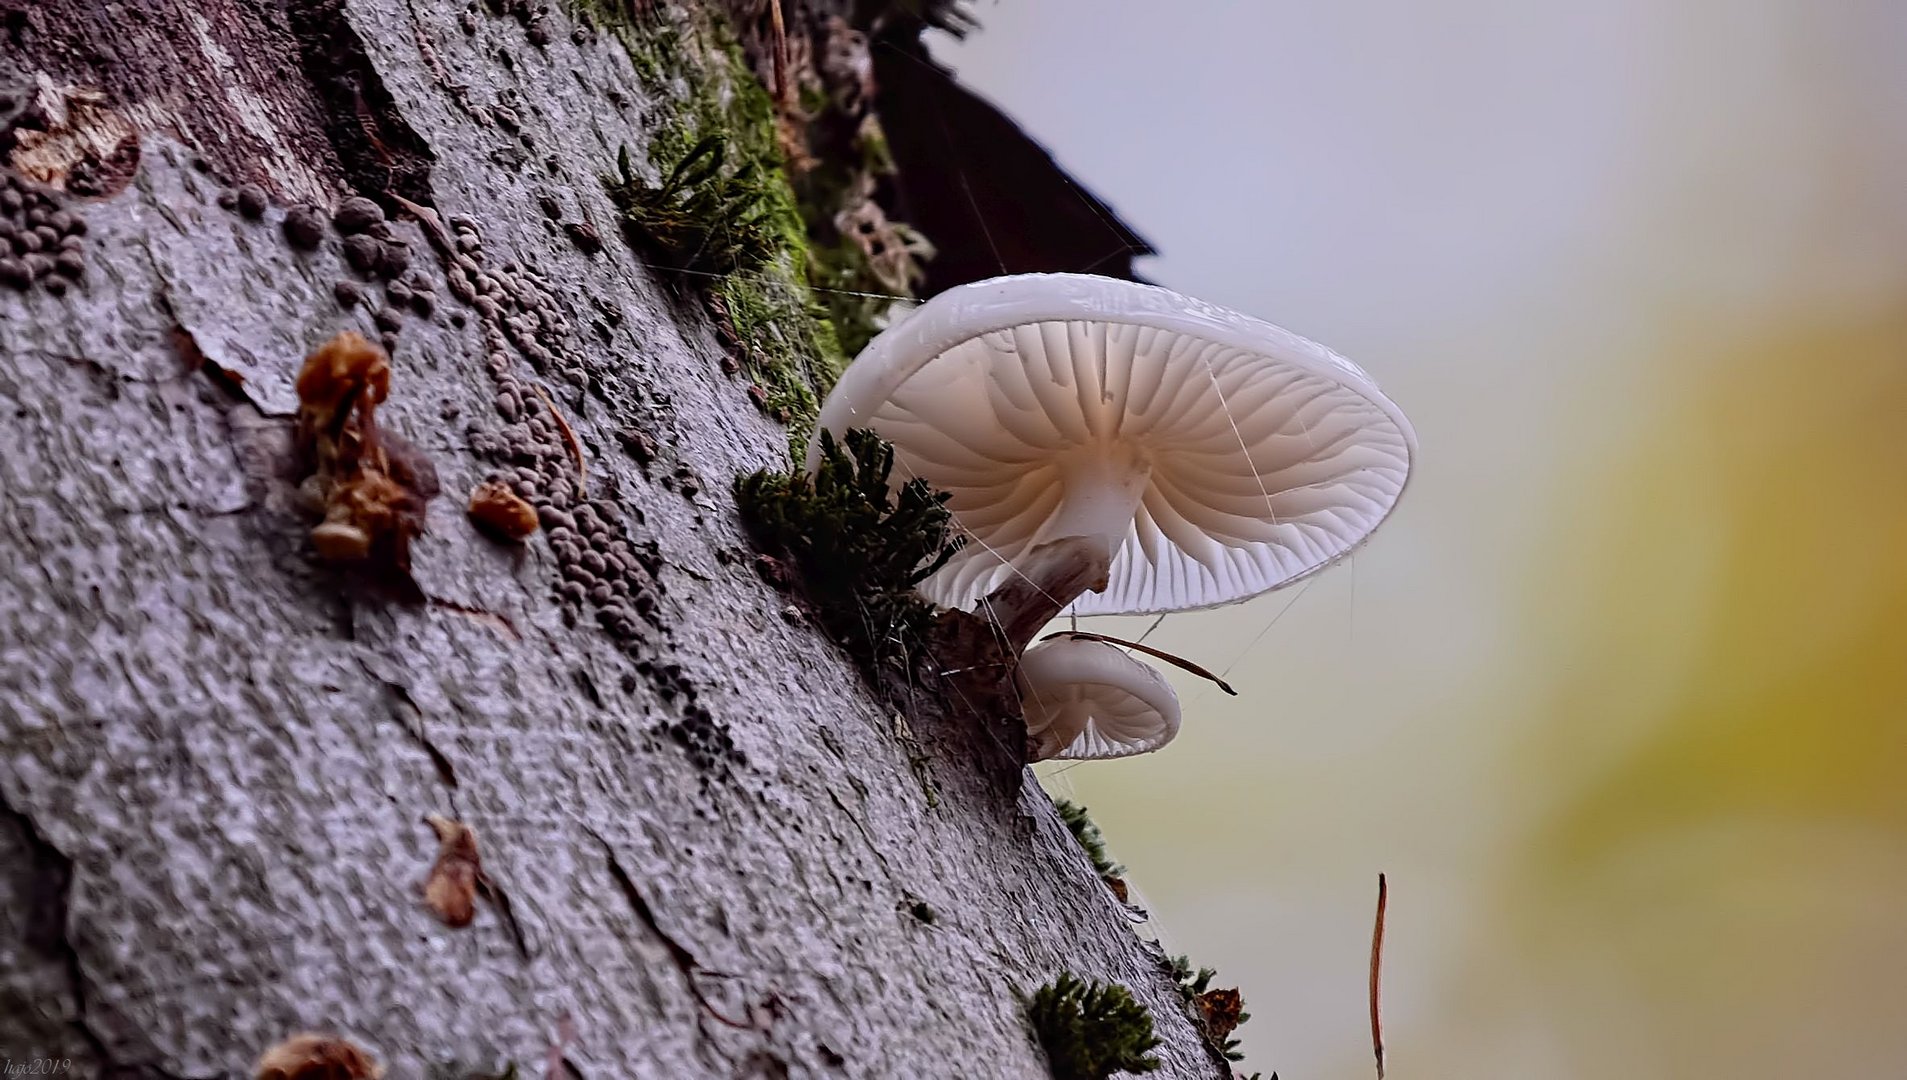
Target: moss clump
[
  {"x": 647, "y": 32},
  {"x": 786, "y": 344},
  {"x": 1090, "y": 1031},
  {"x": 851, "y": 294},
  {"x": 1089, "y": 837},
  {"x": 703, "y": 216},
  {"x": 1218, "y": 1013},
  {"x": 782, "y": 331},
  {"x": 721, "y": 211},
  {"x": 1191, "y": 982},
  {"x": 860, "y": 547}
]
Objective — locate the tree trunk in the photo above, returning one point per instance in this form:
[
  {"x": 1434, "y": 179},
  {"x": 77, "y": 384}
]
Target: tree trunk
[{"x": 711, "y": 846}]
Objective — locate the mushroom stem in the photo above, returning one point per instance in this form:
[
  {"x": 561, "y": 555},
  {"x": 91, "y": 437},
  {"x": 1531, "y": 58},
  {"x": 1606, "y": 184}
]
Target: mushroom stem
[
  {"x": 1102, "y": 491},
  {"x": 1103, "y": 486},
  {"x": 1049, "y": 577}
]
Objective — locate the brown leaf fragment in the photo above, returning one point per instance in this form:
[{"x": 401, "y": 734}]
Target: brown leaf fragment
[
  {"x": 451, "y": 889},
  {"x": 501, "y": 512},
  {"x": 1221, "y": 1011},
  {"x": 309, "y": 1056},
  {"x": 336, "y": 375}
]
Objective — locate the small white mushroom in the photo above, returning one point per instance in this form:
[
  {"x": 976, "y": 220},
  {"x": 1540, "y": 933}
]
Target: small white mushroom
[
  {"x": 1122, "y": 448},
  {"x": 1085, "y": 699}
]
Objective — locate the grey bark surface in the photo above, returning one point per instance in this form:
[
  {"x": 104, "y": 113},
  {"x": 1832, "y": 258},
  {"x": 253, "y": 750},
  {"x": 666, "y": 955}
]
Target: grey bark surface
[{"x": 722, "y": 853}]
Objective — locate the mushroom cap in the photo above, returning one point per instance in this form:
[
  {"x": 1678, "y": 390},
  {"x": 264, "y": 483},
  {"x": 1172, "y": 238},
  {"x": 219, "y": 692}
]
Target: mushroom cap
[
  {"x": 1267, "y": 456},
  {"x": 1087, "y": 699}
]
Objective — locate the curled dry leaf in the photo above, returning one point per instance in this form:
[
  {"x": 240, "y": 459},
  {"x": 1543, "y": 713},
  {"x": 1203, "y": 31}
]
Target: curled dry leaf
[
  {"x": 451, "y": 889},
  {"x": 372, "y": 485},
  {"x": 1221, "y": 1010},
  {"x": 309, "y": 1056},
  {"x": 337, "y": 374}
]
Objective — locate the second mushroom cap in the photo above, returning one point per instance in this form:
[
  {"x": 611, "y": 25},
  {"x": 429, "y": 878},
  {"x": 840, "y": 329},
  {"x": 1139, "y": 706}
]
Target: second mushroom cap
[{"x": 1087, "y": 699}]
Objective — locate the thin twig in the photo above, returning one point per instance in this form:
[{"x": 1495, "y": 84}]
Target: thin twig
[
  {"x": 1377, "y": 959},
  {"x": 569, "y": 436},
  {"x": 779, "y": 49},
  {"x": 1179, "y": 661},
  {"x": 433, "y": 225}
]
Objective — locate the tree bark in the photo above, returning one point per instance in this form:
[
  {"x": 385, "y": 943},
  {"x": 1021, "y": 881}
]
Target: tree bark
[{"x": 714, "y": 848}]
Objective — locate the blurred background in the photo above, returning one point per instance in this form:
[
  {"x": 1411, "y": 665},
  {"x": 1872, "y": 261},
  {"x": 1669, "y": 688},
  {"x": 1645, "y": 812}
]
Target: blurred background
[{"x": 1619, "y": 696}]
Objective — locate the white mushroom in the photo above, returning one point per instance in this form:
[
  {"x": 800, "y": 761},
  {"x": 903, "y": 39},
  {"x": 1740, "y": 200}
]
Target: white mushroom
[
  {"x": 1087, "y": 699},
  {"x": 1098, "y": 434}
]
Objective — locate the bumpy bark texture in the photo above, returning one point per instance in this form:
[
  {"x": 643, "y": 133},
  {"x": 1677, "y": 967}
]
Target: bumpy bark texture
[{"x": 715, "y": 852}]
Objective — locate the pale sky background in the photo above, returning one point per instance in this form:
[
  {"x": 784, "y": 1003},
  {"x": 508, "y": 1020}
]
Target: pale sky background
[{"x": 1572, "y": 241}]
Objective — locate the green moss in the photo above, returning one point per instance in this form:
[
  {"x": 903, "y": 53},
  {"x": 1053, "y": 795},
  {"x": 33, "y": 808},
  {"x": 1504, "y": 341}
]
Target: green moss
[
  {"x": 1089, "y": 837},
  {"x": 1191, "y": 983},
  {"x": 851, "y": 294},
  {"x": 703, "y": 216},
  {"x": 647, "y": 33},
  {"x": 812, "y": 98},
  {"x": 870, "y": 141},
  {"x": 796, "y": 295},
  {"x": 1090, "y": 1031},
  {"x": 858, "y": 293},
  {"x": 787, "y": 345},
  {"x": 859, "y": 547},
  {"x": 721, "y": 210}
]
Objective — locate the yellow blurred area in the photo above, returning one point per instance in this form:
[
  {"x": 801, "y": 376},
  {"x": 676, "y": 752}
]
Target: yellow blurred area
[
  {"x": 1727, "y": 854},
  {"x": 1770, "y": 507}
]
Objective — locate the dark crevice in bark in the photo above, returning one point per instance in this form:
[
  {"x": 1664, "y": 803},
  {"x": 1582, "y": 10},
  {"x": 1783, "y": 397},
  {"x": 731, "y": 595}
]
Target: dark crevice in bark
[
  {"x": 49, "y": 880},
  {"x": 151, "y": 52},
  {"x": 411, "y": 718},
  {"x": 381, "y": 154},
  {"x": 506, "y": 914},
  {"x": 229, "y": 383},
  {"x": 679, "y": 954},
  {"x": 50, "y": 874},
  {"x": 861, "y": 827}
]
